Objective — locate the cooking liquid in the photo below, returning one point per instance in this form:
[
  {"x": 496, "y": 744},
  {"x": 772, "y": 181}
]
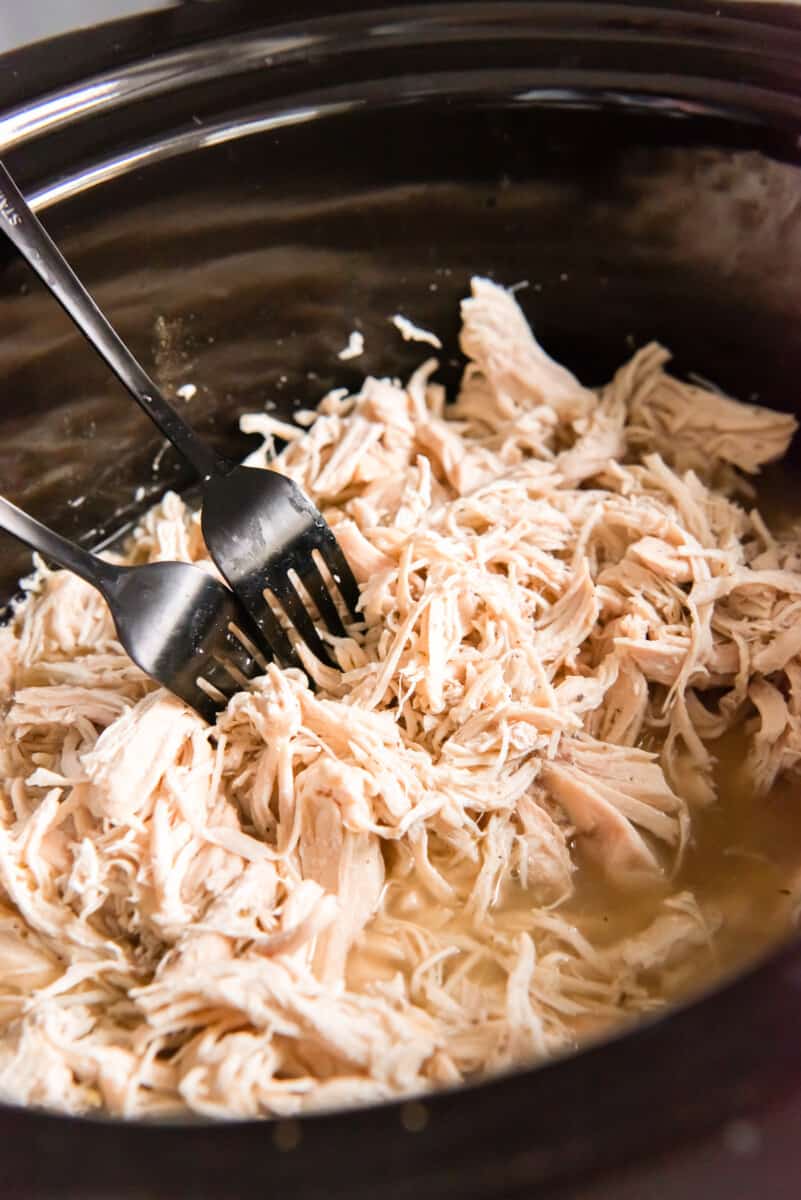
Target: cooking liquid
[{"x": 742, "y": 864}]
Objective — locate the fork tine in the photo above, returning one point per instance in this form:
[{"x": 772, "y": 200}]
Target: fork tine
[
  {"x": 270, "y": 631},
  {"x": 202, "y": 702},
  {"x": 340, "y": 570},
  {"x": 217, "y": 674},
  {"x": 286, "y": 595},
  {"x": 239, "y": 656},
  {"x": 311, "y": 578}
]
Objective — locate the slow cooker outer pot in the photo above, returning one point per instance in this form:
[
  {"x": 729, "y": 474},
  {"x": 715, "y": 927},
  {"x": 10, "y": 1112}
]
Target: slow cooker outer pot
[{"x": 242, "y": 198}]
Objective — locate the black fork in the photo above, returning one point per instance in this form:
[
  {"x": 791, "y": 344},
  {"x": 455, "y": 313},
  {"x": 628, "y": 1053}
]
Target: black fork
[
  {"x": 263, "y": 533},
  {"x": 177, "y": 622}
]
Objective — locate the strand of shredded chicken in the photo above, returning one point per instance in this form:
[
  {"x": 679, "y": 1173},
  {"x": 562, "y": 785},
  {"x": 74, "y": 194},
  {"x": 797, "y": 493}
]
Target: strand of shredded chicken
[{"x": 363, "y": 889}]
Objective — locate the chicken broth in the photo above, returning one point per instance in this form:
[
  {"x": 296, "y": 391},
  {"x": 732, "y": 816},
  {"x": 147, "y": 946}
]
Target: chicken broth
[
  {"x": 743, "y": 866},
  {"x": 743, "y": 862},
  {"x": 551, "y": 787},
  {"x": 746, "y": 859}
]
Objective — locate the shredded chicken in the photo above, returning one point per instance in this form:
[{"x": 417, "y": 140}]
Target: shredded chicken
[
  {"x": 372, "y": 886},
  {"x": 413, "y": 333},
  {"x": 355, "y": 346}
]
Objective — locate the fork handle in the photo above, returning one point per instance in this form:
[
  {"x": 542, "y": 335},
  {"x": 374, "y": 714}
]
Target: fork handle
[
  {"x": 52, "y": 545},
  {"x": 35, "y": 245}
]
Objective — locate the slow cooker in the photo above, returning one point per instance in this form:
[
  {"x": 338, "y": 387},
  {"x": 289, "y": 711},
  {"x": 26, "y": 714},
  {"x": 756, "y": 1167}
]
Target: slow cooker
[{"x": 241, "y": 187}]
